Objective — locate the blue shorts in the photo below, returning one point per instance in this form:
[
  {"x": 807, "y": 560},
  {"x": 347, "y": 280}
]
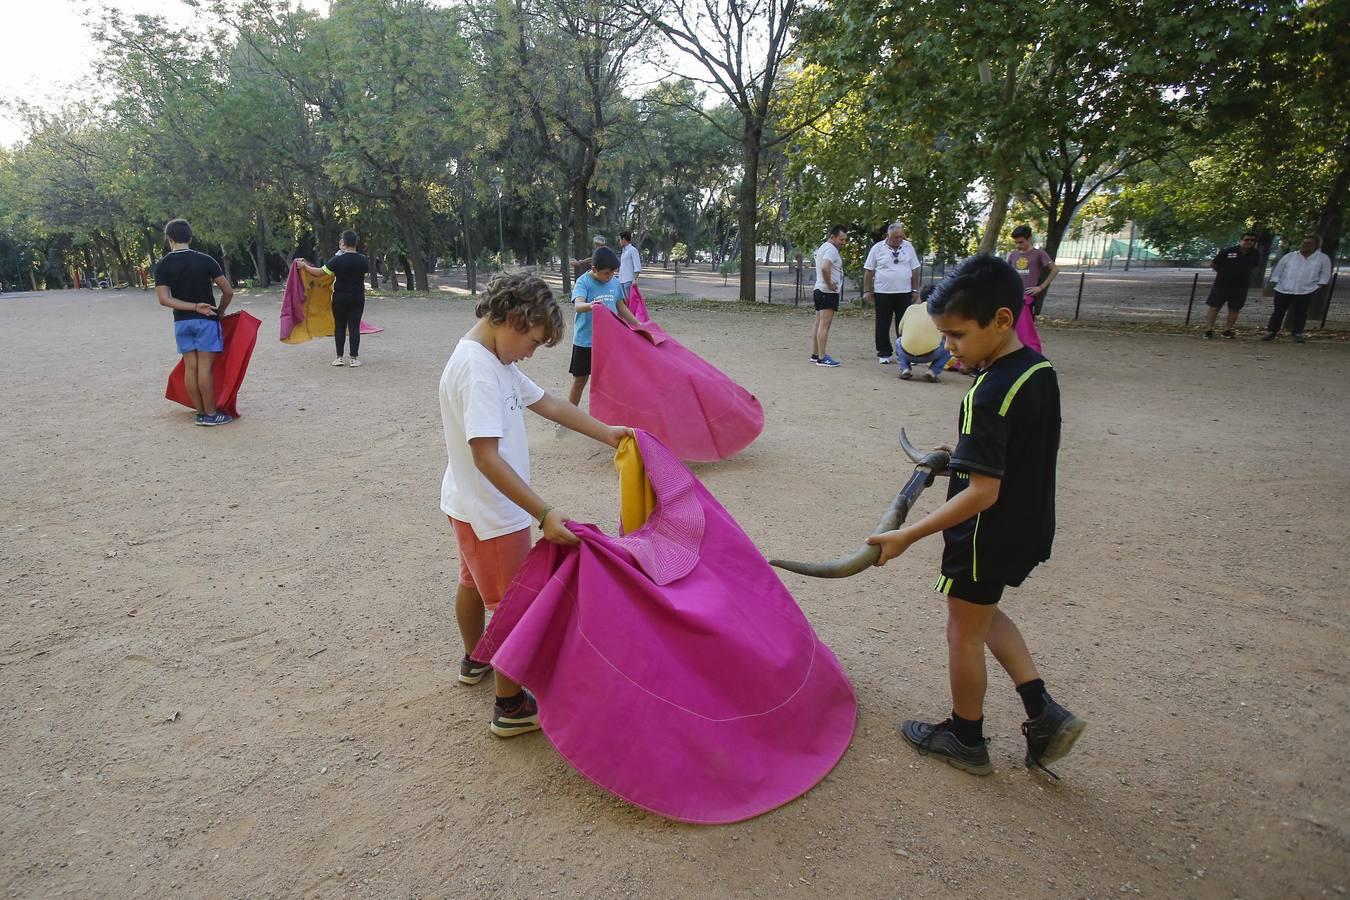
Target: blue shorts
[{"x": 198, "y": 334}]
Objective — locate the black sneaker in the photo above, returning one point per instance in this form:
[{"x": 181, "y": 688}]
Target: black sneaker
[
  {"x": 1051, "y": 735},
  {"x": 1268, "y": 336},
  {"x": 1300, "y": 338},
  {"x": 939, "y": 740},
  {"x": 1229, "y": 334},
  {"x": 471, "y": 671},
  {"x": 1209, "y": 335},
  {"x": 815, "y": 357},
  {"x": 521, "y": 718}
]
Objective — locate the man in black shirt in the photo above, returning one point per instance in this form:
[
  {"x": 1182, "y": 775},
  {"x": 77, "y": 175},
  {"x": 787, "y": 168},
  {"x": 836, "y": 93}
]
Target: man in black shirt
[
  {"x": 348, "y": 269},
  {"x": 184, "y": 281},
  {"x": 1233, "y": 272},
  {"x": 999, "y": 519}
]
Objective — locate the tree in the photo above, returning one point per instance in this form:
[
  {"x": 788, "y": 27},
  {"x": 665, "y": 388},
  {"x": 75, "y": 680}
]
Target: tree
[{"x": 742, "y": 46}]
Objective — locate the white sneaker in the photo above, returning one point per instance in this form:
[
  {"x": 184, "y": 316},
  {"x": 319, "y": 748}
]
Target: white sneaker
[
  {"x": 339, "y": 362},
  {"x": 931, "y": 375},
  {"x": 885, "y": 360},
  {"x": 356, "y": 361}
]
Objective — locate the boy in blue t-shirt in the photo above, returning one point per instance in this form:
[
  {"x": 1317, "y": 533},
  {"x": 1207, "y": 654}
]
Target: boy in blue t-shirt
[
  {"x": 184, "y": 281},
  {"x": 598, "y": 286}
]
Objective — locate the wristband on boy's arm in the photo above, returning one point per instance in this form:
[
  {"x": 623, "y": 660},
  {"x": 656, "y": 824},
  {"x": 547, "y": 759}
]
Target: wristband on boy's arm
[{"x": 544, "y": 515}]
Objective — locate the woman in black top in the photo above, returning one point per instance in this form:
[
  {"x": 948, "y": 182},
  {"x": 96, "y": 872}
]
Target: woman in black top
[{"x": 348, "y": 269}]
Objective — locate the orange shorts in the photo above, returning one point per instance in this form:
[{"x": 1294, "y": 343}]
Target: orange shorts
[{"x": 489, "y": 566}]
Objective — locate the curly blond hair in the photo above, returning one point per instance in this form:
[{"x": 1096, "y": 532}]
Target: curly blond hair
[{"x": 524, "y": 300}]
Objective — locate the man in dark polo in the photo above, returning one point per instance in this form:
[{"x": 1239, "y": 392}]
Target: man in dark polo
[{"x": 1233, "y": 273}]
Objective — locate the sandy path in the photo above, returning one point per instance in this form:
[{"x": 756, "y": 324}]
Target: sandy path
[{"x": 225, "y": 667}]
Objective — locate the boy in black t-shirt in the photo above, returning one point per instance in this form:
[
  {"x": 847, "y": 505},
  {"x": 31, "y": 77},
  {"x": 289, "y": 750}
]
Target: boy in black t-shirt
[
  {"x": 348, "y": 269},
  {"x": 1233, "y": 267},
  {"x": 183, "y": 283},
  {"x": 999, "y": 518}
]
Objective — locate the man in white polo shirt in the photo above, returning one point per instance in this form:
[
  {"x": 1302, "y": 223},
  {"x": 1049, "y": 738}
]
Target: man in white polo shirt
[
  {"x": 1298, "y": 277},
  {"x": 890, "y": 278}
]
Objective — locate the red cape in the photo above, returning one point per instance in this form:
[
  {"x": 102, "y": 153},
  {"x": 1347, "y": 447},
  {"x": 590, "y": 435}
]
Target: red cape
[{"x": 240, "y": 332}]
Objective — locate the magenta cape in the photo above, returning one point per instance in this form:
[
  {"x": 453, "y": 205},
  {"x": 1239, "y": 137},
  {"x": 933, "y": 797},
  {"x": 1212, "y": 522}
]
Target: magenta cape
[
  {"x": 646, "y": 379},
  {"x": 319, "y": 320},
  {"x": 672, "y": 667},
  {"x": 1026, "y": 325},
  {"x": 240, "y": 333},
  {"x": 636, "y": 305}
]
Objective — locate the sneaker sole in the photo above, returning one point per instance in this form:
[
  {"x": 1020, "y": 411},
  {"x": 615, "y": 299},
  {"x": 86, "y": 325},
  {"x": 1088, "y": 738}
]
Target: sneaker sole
[
  {"x": 473, "y": 679},
  {"x": 1063, "y": 741},
  {"x": 513, "y": 729}
]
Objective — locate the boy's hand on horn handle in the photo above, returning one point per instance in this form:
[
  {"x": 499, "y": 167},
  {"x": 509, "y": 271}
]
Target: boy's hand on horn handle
[{"x": 892, "y": 544}]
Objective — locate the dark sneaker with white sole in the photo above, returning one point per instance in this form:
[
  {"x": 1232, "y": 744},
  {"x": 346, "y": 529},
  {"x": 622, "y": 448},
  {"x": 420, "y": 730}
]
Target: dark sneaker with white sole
[
  {"x": 471, "y": 671},
  {"x": 520, "y": 718},
  {"x": 939, "y": 740},
  {"x": 1051, "y": 735}
]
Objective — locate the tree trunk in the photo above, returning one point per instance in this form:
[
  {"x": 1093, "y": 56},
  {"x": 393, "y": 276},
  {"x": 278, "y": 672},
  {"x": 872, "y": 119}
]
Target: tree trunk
[
  {"x": 581, "y": 187},
  {"x": 564, "y": 255},
  {"x": 748, "y": 197},
  {"x": 225, "y": 264},
  {"x": 1329, "y": 225},
  {"x": 260, "y": 251},
  {"x": 470, "y": 270},
  {"x": 998, "y": 211},
  {"x": 374, "y": 269},
  {"x": 1264, "y": 239}
]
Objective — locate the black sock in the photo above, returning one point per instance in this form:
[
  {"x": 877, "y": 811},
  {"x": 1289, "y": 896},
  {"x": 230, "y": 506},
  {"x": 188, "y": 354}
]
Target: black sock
[
  {"x": 511, "y": 702},
  {"x": 1034, "y": 696},
  {"x": 968, "y": 731}
]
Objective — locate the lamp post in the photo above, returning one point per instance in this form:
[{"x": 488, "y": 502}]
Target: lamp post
[{"x": 501, "y": 233}]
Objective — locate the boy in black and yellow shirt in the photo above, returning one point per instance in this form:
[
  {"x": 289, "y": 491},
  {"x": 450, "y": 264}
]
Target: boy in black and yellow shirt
[{"x": 999, "y": 518}]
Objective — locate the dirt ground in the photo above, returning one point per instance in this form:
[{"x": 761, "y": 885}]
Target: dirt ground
[{"x": 227, "y": 658}]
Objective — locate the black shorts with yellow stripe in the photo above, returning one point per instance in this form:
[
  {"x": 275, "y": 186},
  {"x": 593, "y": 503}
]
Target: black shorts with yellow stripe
[{"x": 962, "y": 587}]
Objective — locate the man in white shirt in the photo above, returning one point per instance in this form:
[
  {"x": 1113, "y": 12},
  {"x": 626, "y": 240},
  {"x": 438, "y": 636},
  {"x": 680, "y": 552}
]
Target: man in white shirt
[
  {"x": 630, "y": 263},
  {"x": 829, "y": 286},
  {"x": 890, "y": 277},
  {"x": 1298, "y": 278}
]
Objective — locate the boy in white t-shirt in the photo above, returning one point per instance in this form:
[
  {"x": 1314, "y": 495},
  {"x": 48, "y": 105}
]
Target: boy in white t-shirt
[{"x": 486, "y": 490}]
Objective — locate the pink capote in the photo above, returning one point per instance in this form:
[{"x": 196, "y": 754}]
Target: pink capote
[
  {"x": 636, "y": 305},
  {"x": 671, "y": 666},
  {"x": 644, "y": 378},
  {"x": 1026, "y": 325},
  {"x": 293, "y": 305}
]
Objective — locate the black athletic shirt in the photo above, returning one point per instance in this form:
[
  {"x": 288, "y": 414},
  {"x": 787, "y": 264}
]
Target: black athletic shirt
[
  {"x": 189, "y": 275},
  {"x": 1009, "y": 429},
  {"x": 349, "y": 275},
  {"x": 1233, "y": 268}
]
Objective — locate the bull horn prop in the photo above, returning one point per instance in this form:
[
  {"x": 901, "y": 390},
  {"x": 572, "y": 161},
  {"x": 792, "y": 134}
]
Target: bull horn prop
[{"x": 927, "y": 467}]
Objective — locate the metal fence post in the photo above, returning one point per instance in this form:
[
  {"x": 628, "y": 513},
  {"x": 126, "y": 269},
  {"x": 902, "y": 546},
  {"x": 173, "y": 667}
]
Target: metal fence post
[
  {"x": 771, "y": 287},
  {"x": 1082, "y": 276},
  {"x": 1195, "y": 283},
  {"x": 797, "y": 295},
  {"x": 1331, "y": 292}
]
